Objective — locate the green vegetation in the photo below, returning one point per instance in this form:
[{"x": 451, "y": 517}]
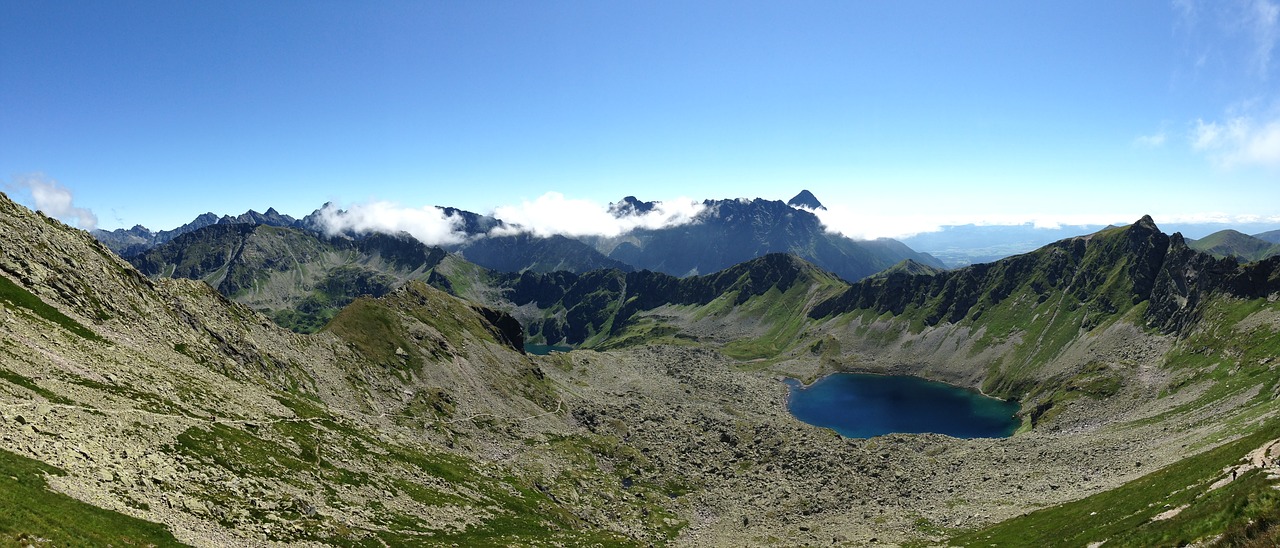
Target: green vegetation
[
  {"x": 342, "y": 285},
  {"x": 1229, "y": 353},
  {"x": 31, "y": 514},
  {"x": 17, "y": 296},
  {"x": 377, "y": 332},
  {"x": 31, "y": 385},
  {"x": 1230, "y": 243},
  {"x": 1124, "y": 516},
  {"x": 1096, "y": 381}
]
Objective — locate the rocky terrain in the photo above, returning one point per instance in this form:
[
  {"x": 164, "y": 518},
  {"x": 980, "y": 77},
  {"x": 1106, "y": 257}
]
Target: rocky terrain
[{"x": 1145, "y": 372}]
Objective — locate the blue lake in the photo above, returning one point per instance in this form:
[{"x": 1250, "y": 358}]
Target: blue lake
[
  {"x": 862, "y": 406},
  {"x": 544, "y": 349}
]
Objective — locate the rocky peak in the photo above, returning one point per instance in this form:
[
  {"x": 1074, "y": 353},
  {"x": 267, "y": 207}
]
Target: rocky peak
[
  {"x": 1146, "y": 224},
  {"x": 806, "y": 200},
  {"x": 630, "y": 206}
]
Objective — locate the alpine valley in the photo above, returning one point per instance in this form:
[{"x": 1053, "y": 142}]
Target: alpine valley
[{"x": 260, "y": 380}]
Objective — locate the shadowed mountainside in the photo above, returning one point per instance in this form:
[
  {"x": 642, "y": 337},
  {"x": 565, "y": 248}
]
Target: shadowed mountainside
[{"x": 729, "y": 232}]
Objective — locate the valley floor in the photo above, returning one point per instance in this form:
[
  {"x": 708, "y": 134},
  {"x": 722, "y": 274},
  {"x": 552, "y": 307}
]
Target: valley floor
[{"x": 758, "y": 476}]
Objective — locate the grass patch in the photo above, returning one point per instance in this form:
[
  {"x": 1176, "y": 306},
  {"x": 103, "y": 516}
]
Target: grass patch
[
  {"x": 31, "y": 385},
  {"x": 1123, "y": 516},
  {"x": 31, "y": 514},
  {"x": 18, "y": 296}
]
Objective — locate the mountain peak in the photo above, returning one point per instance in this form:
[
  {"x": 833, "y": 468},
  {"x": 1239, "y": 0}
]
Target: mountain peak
[
  {"x": 1148, "y": 223},
  {"x": 630, "y": 205},
  {"x": 806, "y": 200}
]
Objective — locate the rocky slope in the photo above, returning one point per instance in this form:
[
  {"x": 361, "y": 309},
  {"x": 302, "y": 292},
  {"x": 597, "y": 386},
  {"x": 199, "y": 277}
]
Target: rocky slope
[{"x": 165, "y": 401}]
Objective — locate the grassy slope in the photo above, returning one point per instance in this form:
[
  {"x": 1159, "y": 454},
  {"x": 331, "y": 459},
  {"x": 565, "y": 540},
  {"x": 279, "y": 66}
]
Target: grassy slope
[
  {"x": 1229, "y": 243},
  {"x": 1232, "y": 353},
  {"x": 1123, "y": 516},
  {"x": 31, "y": 514}
]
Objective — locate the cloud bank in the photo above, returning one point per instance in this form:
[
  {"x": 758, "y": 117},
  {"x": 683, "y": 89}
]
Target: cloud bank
[
  {"x": 429, "y": 225},
  {"x": 549, "y": 215},
  {"x": 553, "y": 214},
  {"x": 55, "y": 200},
  {"x": 1239, "y": 141}
]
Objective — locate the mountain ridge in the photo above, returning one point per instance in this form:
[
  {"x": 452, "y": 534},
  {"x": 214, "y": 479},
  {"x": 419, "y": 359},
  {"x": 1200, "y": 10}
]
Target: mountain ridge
[
  {"x": 725, "y": 233},
  {"x": 1232, "y": 243}
]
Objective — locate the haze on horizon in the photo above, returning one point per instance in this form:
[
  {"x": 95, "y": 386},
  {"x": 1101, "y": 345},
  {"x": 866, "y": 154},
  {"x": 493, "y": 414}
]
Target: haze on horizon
[{"x": 901, "y": 117}]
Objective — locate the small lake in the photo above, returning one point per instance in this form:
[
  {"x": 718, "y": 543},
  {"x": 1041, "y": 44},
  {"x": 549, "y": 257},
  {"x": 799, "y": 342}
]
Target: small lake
[
  {"x": 544, "y": 349},
  {"x": 862, "y": 406}
]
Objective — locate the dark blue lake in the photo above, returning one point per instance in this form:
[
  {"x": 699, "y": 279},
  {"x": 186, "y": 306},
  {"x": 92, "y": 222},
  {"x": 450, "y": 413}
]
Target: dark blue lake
[
  {"x": 862, "y": 406},
  {"x": 544, "y": 349}
]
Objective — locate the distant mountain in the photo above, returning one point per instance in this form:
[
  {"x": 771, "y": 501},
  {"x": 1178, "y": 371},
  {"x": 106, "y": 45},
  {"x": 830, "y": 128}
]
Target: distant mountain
[
  {"x": 805, "y": 199},
  {"x": 296, "y": 277},
  {"x": 504, "y": 250},
  {"x": 1155, "y": 268},
  {"x": 524, "y": 251},
  {"x": 963, "y": 245},
  {"x": 960, "y": 245},
  {"x": 909, "y": 267},
  {"x": 630, "y": 206},
  {"x": 725, "y": 233},
  {"x": 135, "y": 240},
  {"x": 610, "y": 308},
  {"x": 729, "y": 232},
  {"x": 1230, "y": 243},
  {"x": 1272, "y": 236}
]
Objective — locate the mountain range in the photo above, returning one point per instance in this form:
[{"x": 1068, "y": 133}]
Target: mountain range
[
  {"x": 724, "y": 233},
  {"x": 962, "y": 245},
  {"x": 153, "y": 409}
]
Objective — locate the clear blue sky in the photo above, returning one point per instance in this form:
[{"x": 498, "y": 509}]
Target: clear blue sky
[{"x": 904, "y": 113}]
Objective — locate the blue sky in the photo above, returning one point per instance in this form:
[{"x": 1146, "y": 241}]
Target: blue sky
[{"x": 899, "y": 115}]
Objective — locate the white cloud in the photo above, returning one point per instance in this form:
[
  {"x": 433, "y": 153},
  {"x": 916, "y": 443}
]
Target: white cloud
[
  {"x": 1263, "y": 21},
  {"x": 1155, "y": 140},
  {"x": 428, "y": 224},
  {"x": 554, "y": 214},
  {"x": 549, "y": 214},
  {"x": 871, "y": 225},
  {"x": 55, "y": 200},
  {"x": 1239, "y": 141}
]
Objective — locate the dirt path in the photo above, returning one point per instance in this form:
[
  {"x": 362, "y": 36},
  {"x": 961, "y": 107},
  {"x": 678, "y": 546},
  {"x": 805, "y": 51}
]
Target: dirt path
[{"x": 1262, "y": 457}]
